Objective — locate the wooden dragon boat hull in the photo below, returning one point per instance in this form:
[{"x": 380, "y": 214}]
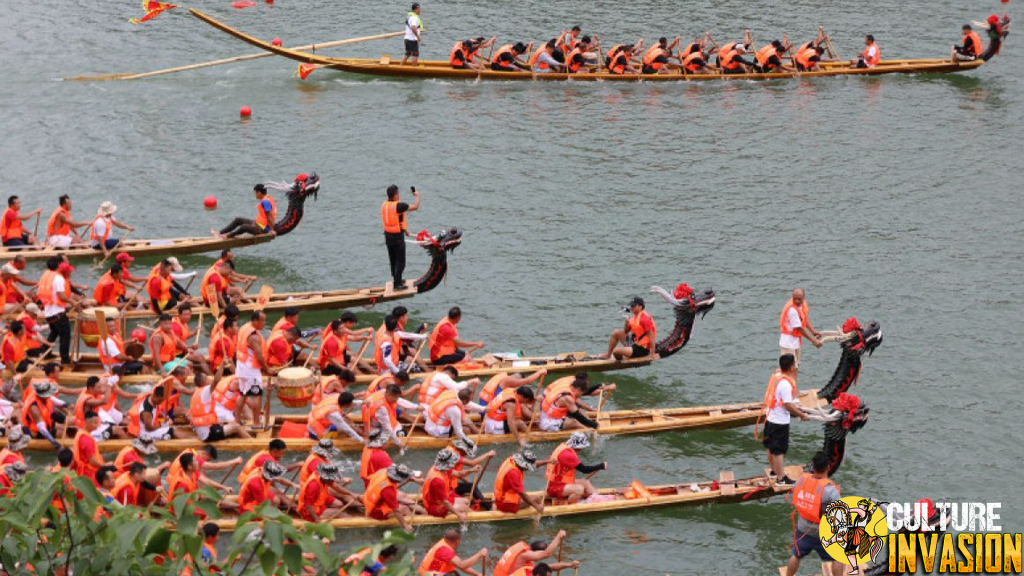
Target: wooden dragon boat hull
[
  {"x": 724, "y": 491},
  {"x": 613, "y": 423},
  {"x": 138, "y": 248},
  {"x": 439, "y": 69}
]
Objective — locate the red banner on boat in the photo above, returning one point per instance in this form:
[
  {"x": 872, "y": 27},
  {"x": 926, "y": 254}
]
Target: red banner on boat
[
  {"x": 153, "y": 9},
  {"x": 306, "y": 69}
]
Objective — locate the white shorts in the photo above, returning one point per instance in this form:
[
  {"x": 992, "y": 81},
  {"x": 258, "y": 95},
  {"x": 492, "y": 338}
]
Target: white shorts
[
  {"x": 493, "y": 426},
  {"x": 59, "y": 241},
  {"x": 436, "y": 430},
  {"x": 549, "y": 424},
  {"x": 249, "y": 379},
  {"x": 102, "y": 433},
  {"x": 224, "y": 416},
  {"x": 6, "y": 409},
  {"x": 161, "y": 433},
  {"x": 112, "y": 416}
]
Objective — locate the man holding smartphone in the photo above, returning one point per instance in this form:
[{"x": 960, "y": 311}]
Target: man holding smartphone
[{"x": 396, "y": 228}]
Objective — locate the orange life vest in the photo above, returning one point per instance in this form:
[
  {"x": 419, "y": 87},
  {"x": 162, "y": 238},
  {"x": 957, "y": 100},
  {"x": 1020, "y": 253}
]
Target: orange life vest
[
  {"x": 450, "y": 482},
  {"x": 272, "y": 359},
  {"x": 556, "y": 390},
  {"x": 458, "y": 56},
  {"x": 15, "y": 230},
  {"x": 185, "y": 331},
  {"x": 264, "y": 219},
  {"x": 304, "y": 472},
  {"x": 726, "y": 48},
  {"x": 487, "y": 393},
  {"x": 323, "y": 358},
  {"x": 975, "y": 42},
  {"x": 375, "y": 486},
  {"x": 45, "y": 410},
  {"x": 803, "y": 57},
  {"x": 80, "y": 409},
  {"x": 319, "y": 419},
  {"x": 394, "y": 223},
  {"x": 122, "y": 463},
  {"x": 692, "y": 48},
  {"x": 176, "y": 463},
  {"x": 251, "y": 467},
  {"x": 508, "y": 560},
  {"x": 690, "y": 61},
  {"x": 135, "y": 416},
  {"x": 168, "y": 346},
  {"x": 618, "y": 63},
  {"x": 378, "y": 354},
  {"x": 364, "y": 462},
  {"x": 180, "y": 480},
  {"x": 574, "y": 67},
  {"x": 441, "y": 404},
  {"x": 242, "y": 350},
  {"x": 112, "y": 298},
  {"x": 437, "y": 348},
  {"x": 320, "y": 504},
  {"x": 496, "y": 408},
  {"x": 372, "y": 405},
  {"x": 203, "y": 415},
  {"x": 506, "y": 49},
  {"x": 807, "y": 496},
  {"x": 555, "y": 472},
  {"x": 163, "y": 293},
  {"x": 613, "y": 51},
  {"x": 106, "y": 229},
  {"x": 872, "y": 60},
  {"x": 651, "y": 55},
  {"x": 45, "y": 289},
  {"x": 82, "y": 466},
  {"x": 428, "y": 391},
  {"x": 729, "y": 60},
  {"x": 53, "y": 228},
  {"x": 770, "y": 401},
  {"x": 245, "y": 504},
  {"x": 124, "y": 483},
  {"x": 225, "y": 394},
  {"x": 222, "y": 347},
  {"x": 801, "y": 311},
  {"x": 536, "y": 56},
  {"x": 502, "y": 495},
  {"x": 431, "y": 565},
  {"x": 765, "y": 54},
  {"x": 17, "y": 347},
  {"x": 636, "y": 326}
]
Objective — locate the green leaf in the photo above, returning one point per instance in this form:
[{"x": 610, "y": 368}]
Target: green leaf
[
  {"x": 268, "y": 560},
  {"x": 188, "y": 523},
  {"x": 159, "y": 542},
  {"x": 274, "y": 536},
  {"x": 293, "y": 558}
]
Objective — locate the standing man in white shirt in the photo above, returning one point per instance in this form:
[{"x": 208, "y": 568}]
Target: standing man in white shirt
[
  {"x": 794, "y": 325},
  {"x": 781, "y": 403},
  {"x": 413, "y": 35}
]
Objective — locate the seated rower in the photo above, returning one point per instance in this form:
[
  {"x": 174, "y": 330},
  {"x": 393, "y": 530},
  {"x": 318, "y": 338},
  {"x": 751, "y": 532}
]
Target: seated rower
[
  {"x": 401, "y": 379},
  {"x": 562, "y": 408},
  {"x": 500, "y": 382},
  {"x": 387, "y": 348},
  {"x": 437, "y": 382},
  {"x": 42, "y": 413},
  {"x": 136, "y": 452},
  {"x": 323, "y": 452},
  {"x": 280, "y": 348},
  {"x": 657, "y": 58},
  {"x": 190, "y": 468},
  {"x": 511, "y": 412},
  {"x": 14, "y": 301},
  {"x": 446, "y": 415},
  {"x": 808, "y": 59},
  {"x": 222, "y": 347},
  {"x": 445, "y": 345},
  {"x": 732, "y": 62},
  {"x": 637, "y": 337},
  {"x": 769, "y": 57},
  {"x": 747, "y": 45},
  {"x": 970, "y": 49},
  {"x": 127, "y": 486},
  {"x": 569, "y": 39},
  {"x": 333, "y": 357},
  {"x": 620, "y": 61},
  {"x": 374, "y": 456},
  {"x": 288, "y": 320},
  {"x": 274, "y": 452},
  {"x": 322, "y": 495},
  {"x": 266, "y": 216},
  {"x": 87, "y": 457},
  {"x": 102, "y": 226},
  {"x": 163, "y": 292},
  {"x": 99, "y": 397},
  {"x": 168, "y": 349},
  {"x": 259, "y": 488},
  {"x": 203, "y": 415},
  {"x": 871, "y": 55},
  {"x": 506, "y": 59},
  {"x": 522, "y": 558},
  {"x": 464, "y": 52},
  {"x": 330, "y": 416},
  {"x": 110, "y": 289},
  {"x": 442, "y": 558},
  {"x": 10, "y": 475},
  {"x": 544, "y": 60},
  {"x": 13, "y": 349},
  {"x": 469, "y": 463},
  {"x": 631, "y": 51},
  {"x": 577, "y": 58},
  {"x": 693, "y": 58},
  {"x": 383, "y": 500},
  {"x": 152, "y": 415},
  {"x": 17, "y": 441},
  {"x": 510, "y": 495},
  {"x": 438, "y": 494},
  {"x": 334, "y": 385},
  {"x": 380, "y": 411},
  {"x": 11, "y": 226},
  {"x": 562, "y": 467}
]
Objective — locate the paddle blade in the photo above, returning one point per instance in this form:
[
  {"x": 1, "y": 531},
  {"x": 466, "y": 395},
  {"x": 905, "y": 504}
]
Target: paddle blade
[{"x": 305, "y": 70}]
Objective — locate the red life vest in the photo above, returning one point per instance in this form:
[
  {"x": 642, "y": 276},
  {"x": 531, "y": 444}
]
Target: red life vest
[
  {"x": 555, "y": 472},
  {"x": 431, "y": 565},
  {"x": 439, "y": 347}
]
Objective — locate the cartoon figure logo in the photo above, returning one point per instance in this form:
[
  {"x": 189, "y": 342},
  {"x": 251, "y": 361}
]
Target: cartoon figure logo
[{"x": 852, "y": 531}]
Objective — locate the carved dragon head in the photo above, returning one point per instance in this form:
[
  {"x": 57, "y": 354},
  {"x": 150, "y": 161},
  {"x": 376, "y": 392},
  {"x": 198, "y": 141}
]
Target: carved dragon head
[
  {"x": 438, "y": 248},
  {"x": 848, "y": 414},
  {"x": 304, "y": 186},
  {"x": 855, "y": 340},
  {"x": 687, "y": 304}
]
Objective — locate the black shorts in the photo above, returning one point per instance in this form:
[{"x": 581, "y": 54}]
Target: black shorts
[
  {"x": 23, "y": 241},
  {"x": 132, "y": 367},
  {"x": 254, "y": 391},
  {"x": 500, "y": 68},
  {"x": 640, "y": 351},
  {"x": 412, "y": 48},
  {"x": 22, "y": 366},
  {"x": 455, "y": 358},
  {"x": 776, "y": 438},
  {"x": 331, "y": 370},
  {"x": 216, "y": 433}
]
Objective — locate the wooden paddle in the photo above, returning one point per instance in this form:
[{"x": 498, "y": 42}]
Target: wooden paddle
[
  {"x": 408, "y": 436},
  {"x": 228, "y": 474},
  {"x": 362, "y": 350},
  {"x": 263, "y": 298},
  {"x": 479, "y": 475},
  {"x": 136, "y": 76},
  {"x": 211, "y": 297},
  {"x": 537, "y": 408},
  {"x": 310, "y": 356},
  {"x": 293, "y": 500},
  {"x": 120, "y": 243},
  {"x": 35, "y": 231}
]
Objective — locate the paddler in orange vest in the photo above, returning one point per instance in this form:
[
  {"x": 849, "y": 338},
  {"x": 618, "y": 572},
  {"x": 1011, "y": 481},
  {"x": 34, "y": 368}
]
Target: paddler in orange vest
[
  {"x": 322, "y": 495},
  {"x": 281, "y": 348},
  {"x": 871, "y": 55},
  {"x": 13, "y": 350},
  {"x": 545, "y": 59},
  {"x": 11, "y": 228},
  {"x": 807, "y": 59},
  {"x": 969, "y": 49},
  {"x": 380, "y": 411},
  {"x": 222, "y": 347},
  {"x": 87, "y": 456},
  {"x": 407, "y": 340},
  {"x": 506, "y": 58},
  {"x": 151, "y": 416},
  {"x": 510, "y": 413},
  {"x": 393, "y": 214},
  {"x": 10, "y": 475},
  {"x": 499, "y": 382},
  {"x": 259, "y": 488},
  {"x": 251, "y": 362},
  {"x": 167, "y": 349},
  {"x": 769, "y": 57},
  {"x": 445, "y": 345},
  {"x": 464, "y": 52},
  {"x": 17, "y": 440},
  {"x": 102, "y": 227},
  {"x": 333, "y": 357},
  {"x": 781, "y": 401},
  {"x": 638, "y": 336},
  {"x": 562, "y": 467},
  {"x": 136, "y": 452},
  {"x": 794, "y": 325},
  {"x": 620, "y": 59},
  {"x": 527, "y": 556},
  {"x": 562, "y": 408},
  {"x": 811, "y": 495},
  {"x": 266, "y": 216},
  {"x": 204, "y": 418},
  {"x": 446, "y": 415},
  {"x": 383, "y": 499},
  {"x": 15, "y": 299},
  {"x": 657, "y": 59},
  {"x": 694, "y": 56},
  {"x": 442, "y": 559},
  {"x": 41, "y": 411},
  {"x": 510, "y": 493},
  {"x": 732, "y": 61},
  {"x": 469, "y": 464},
  {"x": 323, "y": 452},
  {"x": 61, "y": 229},
  {"x": 127, "y": 486},
  {"x": 99, "y": 397},
  {"x": 330, "y": 416},
  {"x": 374, "y": 457},
  {"x": 438, "y": 493},
  {"x": 747, "y": 45}
]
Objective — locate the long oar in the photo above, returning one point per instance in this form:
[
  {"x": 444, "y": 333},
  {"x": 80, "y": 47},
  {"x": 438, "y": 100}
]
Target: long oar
[
  {"x": 35, "y": 231},
  {"x": 479, "y": 475},
  {"x": 408, "y": 437},
  {"x": 537, "y": 408},
  {"x": 228, "y": 474},
  {"x": 119, "y": 245},
  {"x": 137, "y": 76},
  {"x": 362, "y": 350}
]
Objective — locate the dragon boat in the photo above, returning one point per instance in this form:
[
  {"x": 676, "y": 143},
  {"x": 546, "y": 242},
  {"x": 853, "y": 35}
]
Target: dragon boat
[
  {"x": 441, "y": 69},
  {"x": 297, "y": 193}
]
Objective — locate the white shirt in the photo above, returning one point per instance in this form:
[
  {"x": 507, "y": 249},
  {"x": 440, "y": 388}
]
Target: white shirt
[
  {"x": 99, "y": 227},
  {"x": 58, "y": 307},
  {"x": 411, "y": 22},
  {"x": 872, "y": 51},
  {"x": 203, "y": 432},
  {"x": 442, "y": 380},
  {"x": 783, "y": 396},
  {"x": 111, "y": 350},
  {"x": 792, "y": 323}
]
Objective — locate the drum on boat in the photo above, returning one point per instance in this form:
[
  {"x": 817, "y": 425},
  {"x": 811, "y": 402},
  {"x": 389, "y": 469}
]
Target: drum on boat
[
  {"x": 87, "y": 324},
  {"x": 295, "y": 386}
]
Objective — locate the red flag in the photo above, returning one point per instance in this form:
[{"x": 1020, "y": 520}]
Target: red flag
[
  {"x": 243, "y": 4},
  {"x": 153, "y": 9},
  {"x": 306, "y": 69}
]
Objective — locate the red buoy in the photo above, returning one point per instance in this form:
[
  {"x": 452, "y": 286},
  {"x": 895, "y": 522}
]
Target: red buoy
[
  {"x": 245, "y": 112},
  {"x": 276, "y": 42},
  {"x": 210, "y": 202}
]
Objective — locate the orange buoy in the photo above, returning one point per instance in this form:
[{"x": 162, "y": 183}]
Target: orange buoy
[
  {"x": 276, "y": 42},
  {"x": 245, "y": 112},
  {"x": 210, "y": 202}
]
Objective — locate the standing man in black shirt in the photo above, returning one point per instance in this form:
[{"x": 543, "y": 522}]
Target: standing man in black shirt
[{"x": 396, "y": 227}]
